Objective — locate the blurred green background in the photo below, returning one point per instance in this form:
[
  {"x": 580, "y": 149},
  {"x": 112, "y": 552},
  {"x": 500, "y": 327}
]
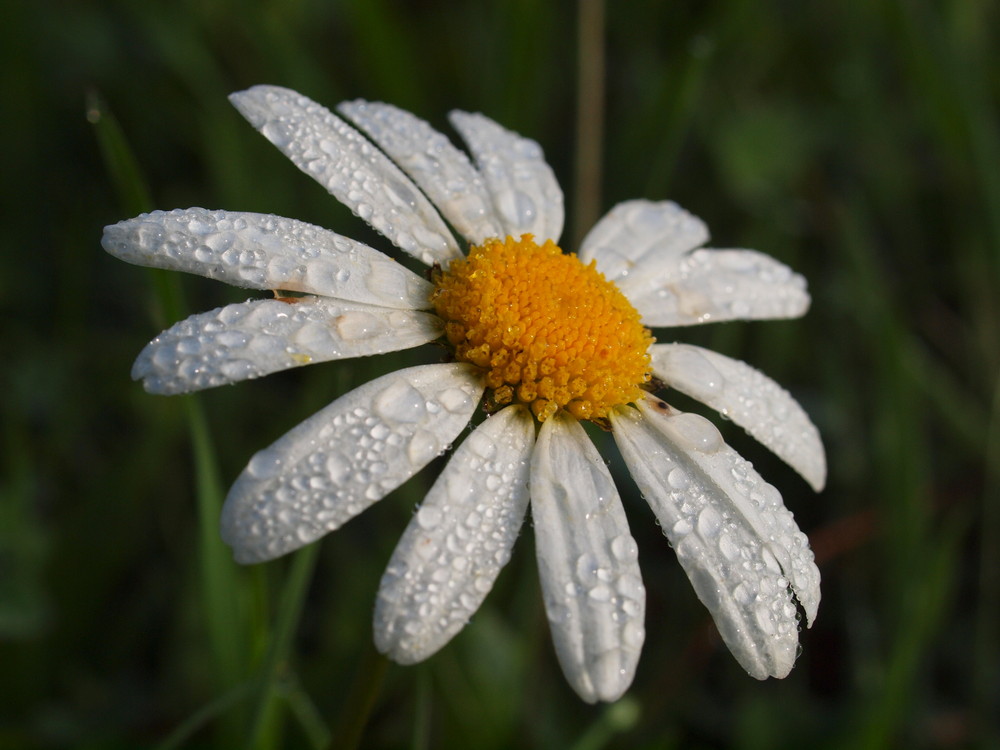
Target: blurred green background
[{"x": 856, "y": 141}]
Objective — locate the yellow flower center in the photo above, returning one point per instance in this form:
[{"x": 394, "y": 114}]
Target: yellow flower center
[{"x": 546, "y": 330}]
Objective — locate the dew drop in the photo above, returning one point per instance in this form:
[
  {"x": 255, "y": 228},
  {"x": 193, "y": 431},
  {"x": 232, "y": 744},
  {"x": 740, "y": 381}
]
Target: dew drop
[
  {"x": 264, "y": 465},
  {"x": 356, "y": 325},
  {"x": 696, "y": 433},
  {"x": 631, "y": 588},
  {"x": 770, "y": 561},
  {"x": 709, "y": 523},
  {"x": 428, "y": 517},
  {"x": 765, "y": 619},
  {"x": 426, "y": 549},
  {"x": 525, "y": 208},
  {"x": 400, "y": 402},
  {"x": 586, "y": 569},
  {"x": 728, "y": 548},
  {"x": 422, "y": 448},
  {"x": 600, "y": 593},
  {"x": 624, "y": 548},
  {"x": 743, "y": 594},
  {"x": 454, "y": 400},
  {"x": 633, "y": 635},
  {"x": 678, "y": 478},
  {"x": 338, "y": 468}
]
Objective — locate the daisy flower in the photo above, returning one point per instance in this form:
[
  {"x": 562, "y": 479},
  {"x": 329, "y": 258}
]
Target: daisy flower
[{"x": 542, "y": 339}]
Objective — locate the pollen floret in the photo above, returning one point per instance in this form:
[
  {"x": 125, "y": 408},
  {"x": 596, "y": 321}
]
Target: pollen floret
[{"x": 546, "y": 330}]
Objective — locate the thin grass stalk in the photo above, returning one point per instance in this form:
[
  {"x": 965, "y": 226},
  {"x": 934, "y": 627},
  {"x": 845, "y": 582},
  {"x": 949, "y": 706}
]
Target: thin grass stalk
[
  {"x": 361, "y": 700},
  {"x": 264, "y": 718},
  {"x": 589, "y": 117},
  {"x": 221, "y": 586}
]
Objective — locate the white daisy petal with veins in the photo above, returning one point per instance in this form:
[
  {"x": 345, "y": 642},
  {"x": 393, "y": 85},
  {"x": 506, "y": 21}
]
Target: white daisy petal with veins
[
  {"x": 635, "y": 230},
  {"x": 587, "y": 561},
  {"x": 722, "y": 558},
  {"x": 345, "y": 457},
  {"x": 259, "y": 251},
  {"x": 462, "y": 535},
  {"x": 711, "y": 286},
  {"x": 440, "y": 169},
  {"x": 258, "y": 337},
  {"x": 525, "y": 192},
  {"x": 749, "y": 398},
  {"x": 356, "y": 173},
  {"x": 737, "y": 542}
]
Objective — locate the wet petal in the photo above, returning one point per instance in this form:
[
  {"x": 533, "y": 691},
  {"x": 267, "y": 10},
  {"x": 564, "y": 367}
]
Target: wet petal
[
  {"x": 442, "y": 171},
  {"x": 345, "y": 457},
  {"x": 749, "y": 398},
  {"x": 459, "y": 539},
  {"x": 636, "y": 230},
  {"x": 708, "y": 286},
  {"x": 258, "y": 251},
  {"x": 525, "y": 192},
  {"x": 588, "y": 563},
  {"x": 255, "y": 338},
  {"x": 350, "y": 168},
  {"x": 736, "y": 541}
]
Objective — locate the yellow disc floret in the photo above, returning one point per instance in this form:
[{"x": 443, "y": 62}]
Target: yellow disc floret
[{"x": 546, "y": 330}]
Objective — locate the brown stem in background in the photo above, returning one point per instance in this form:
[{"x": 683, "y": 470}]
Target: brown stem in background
[{"x": 589, "y": 118}]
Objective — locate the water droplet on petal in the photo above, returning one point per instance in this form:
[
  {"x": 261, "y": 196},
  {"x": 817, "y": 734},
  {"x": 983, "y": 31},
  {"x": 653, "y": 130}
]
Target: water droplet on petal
[
  {"x": 428, "y": 517},
  {"x": 709, "y": 523},
  {"x": 357, "y": 325},
  {"x": 696, "y": 433},
  {"x": 633, "y": 635},
  {"x": 454, "y": 400},
  {"x": 624, "y": 548},
  {"x": 586, "y": 569},
  {"x": 601, "y": 593},
  {"x": 678, "y": 478},
  {"x": 264, "y": 465},
  {"x": 770, "y": 561},
  {"x": 728, "y": 548},
  {"x": 422, "y": 448},
  {"x": 400, "y": 402}
]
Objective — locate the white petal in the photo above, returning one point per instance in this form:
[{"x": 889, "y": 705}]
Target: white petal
[
  {"x": 638, "y": 229},
  {"x": 442, "y": 171},
  {"x": 714, "y": 285},
  {"x": 345, "y": 457},
  {"x": 525, "y": 192},
  {"x": 258, "y": 251},
  {"x": 258, "y": 337},
  {"x": 588, "y": 563},
  {"x": 749, "y": 398},
  {"x": 733, "y": 536},
  {"x": 459, "y": 539},
  {"x": 350, "y": 168}
]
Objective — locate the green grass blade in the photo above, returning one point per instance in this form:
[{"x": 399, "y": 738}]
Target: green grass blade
[
  {"x": 223, "y": 589},
  {"x": 265, "y": 716}
]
